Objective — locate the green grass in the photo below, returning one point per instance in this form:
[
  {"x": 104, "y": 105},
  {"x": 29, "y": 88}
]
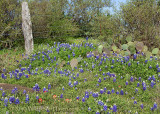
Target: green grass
[{"x": 124, "y": 102}]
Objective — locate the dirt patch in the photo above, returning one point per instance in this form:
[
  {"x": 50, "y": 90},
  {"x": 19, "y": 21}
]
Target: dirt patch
[{"x": 9, "y": 87}]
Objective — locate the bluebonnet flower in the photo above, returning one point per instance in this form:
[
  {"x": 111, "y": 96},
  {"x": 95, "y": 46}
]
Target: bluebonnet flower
[
  {"x": 11, "y": 99},
  {"x": 117, "y": 92},
  {"x": 99, "y": 80},
  {"x": 146, "y": 61},
  {"x": 157, "y": 65},
  {"x": 142, "y": 106},
  {"x": 113, "y": 61},
  {"x": 85, "y": 80},
  {"x": 13, "y": 91},
  {"x": 27, "y": 98},
  {"x": 135, "y": 102},
  {"x": 61, "y": 95},
  {"x": 81, "y": 70},
  {"x": 129, "y": 64},
  {"x": 121, "y": 92},
  {"x": 105, "y": 89},
  {"x": 3, "y": 76},
  {"x": 4, "y": 70},
  {"x": 63, "y": 88},
  {"x": 1, "y": 89},
  {"x": 149, "y": 78},
  {"x": 150, "y": 66},
  {"x": 47, "y": 110},
  {"x": 144, "y": 85},
  {"x": 153, "y": 77},
  {"x": 89, "y": 109},
  {"x": 126, "y": 82},
  {"x": 105, "y": 107},
  {"x": 155, "y": 105},
  {"x": 108, "y": 92},
  {"x": 24, "y": 91},
  {"x": 101, "y": 91},
  {"x": 114, "y": 79},
  {"x": 3, "y": 94},
  {"x": 134, "y": 56},
  {"x": 37, "y": 97},
  {"x": 100, "y": 103},
  {"x": 6, "y": 102},
  {"x": 114, "y": 108},
  {"x": 138, "y": 84},
  {"x": 83, "y": 99},
  {"x": 112, "y": 66},
  {"x": 152, "y": 83},
  {"x": 49, "y": 86},
  {"x": 44, "y": 89},
  {"x": 158, "y": 69},
  {"x": 136, "y": 90},
  {"x": 131, "y": 79},
  {"x": 17, "y": 101},
  {"x": 86, "y": 96}
]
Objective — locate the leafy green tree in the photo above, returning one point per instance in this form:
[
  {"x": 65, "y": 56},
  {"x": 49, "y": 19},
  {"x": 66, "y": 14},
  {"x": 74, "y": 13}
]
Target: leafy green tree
[{"x": 141, "y": 19}]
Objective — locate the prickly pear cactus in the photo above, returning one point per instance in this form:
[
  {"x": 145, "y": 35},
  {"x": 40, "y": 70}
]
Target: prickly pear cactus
[
  {"x": 125, "y": 47},
  {"x": 145, "y": 49},
  {"x": 148, "y": 54},
  {"x": 100, "y": 48},
  {"x": 139, "y": 46},
  {"x": 132, "y": 49},
  {"x": 129, "y": 39},
  {"x": 114, "y": 48},
  {"x": 155, "y": 51},
  {"x": 127, "y": 53}
]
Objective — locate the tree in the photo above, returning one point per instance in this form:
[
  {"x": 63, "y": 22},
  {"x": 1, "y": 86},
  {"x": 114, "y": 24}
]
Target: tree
[{"x": 141, "y": 19}]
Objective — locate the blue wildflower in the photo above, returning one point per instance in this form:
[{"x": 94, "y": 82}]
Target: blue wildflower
[
  {"x": 17, "y": 101},
  {"x": 27, "y": 98},
  {"x": 6, "y": 102},
  {"x": 105, "y": 107},
  {"x": 49, "y": 86}
]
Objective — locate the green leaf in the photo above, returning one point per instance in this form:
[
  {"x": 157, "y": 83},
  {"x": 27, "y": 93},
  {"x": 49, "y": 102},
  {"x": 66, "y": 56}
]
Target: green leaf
[
  {"x": 79, "y": 59},
  {"x": 129, "y": 39},
  {"x": 148, "y": 54},
  {"x": 127, "y": 53},
  {"x": 114, "y": 48},
  {"x": 145, "y": 49},
  {"x": 155, "y": 51},
  {"x": 124, "y": 46},
  {"x": 100, "y": 48}
]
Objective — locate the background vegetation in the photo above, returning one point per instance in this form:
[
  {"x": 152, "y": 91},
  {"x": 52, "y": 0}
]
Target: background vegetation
[{"x": 60, "y": 20}]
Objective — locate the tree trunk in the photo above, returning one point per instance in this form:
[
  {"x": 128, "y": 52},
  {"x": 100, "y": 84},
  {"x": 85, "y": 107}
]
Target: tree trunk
[{"x": 27, "y": 28}]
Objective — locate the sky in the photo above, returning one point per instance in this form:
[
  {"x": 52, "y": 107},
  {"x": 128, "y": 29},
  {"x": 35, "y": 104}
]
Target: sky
[{"x": 116, "y": 3}]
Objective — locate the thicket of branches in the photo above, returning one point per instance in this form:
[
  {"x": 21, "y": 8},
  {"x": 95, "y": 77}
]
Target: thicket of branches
[{"x": 61, "y": 19}]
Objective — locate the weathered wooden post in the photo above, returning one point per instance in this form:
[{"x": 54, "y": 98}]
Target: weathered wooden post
[{"x": 27, "y": 28}]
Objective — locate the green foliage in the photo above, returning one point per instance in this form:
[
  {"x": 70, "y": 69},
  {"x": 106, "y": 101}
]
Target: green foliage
[
  {"x": 139, "y": 46},
  {"x": 155, "y": 51},
  {"x": 124, "y": 46},
  {"x": 142, "y": 20},
  {"x": 114, "y": 48},
  {"x": 132, "y": 49},
  {"x": 145, "y": 49},
  {"x": 148, "y": 54},
  {"x": 127, "y": 53},
  {"x": 100, "y": 48},
  {"x": 129, "y": 39}
]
